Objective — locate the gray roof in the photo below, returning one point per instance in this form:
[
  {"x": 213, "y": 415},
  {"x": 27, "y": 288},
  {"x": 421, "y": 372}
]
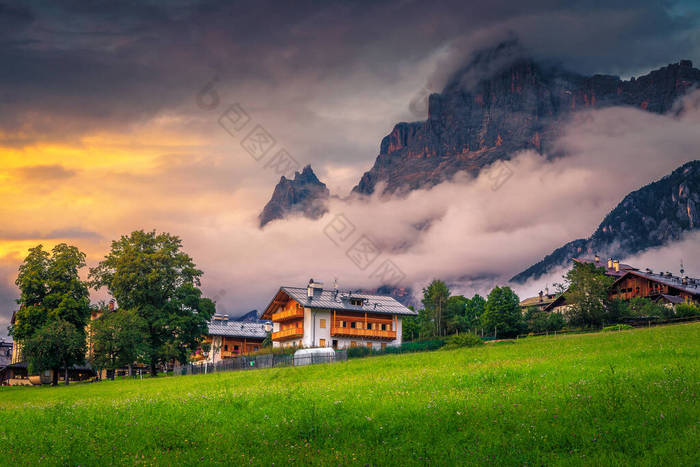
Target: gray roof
[
  {"x": 692, "y": 286},
  {"x": 230, "y": 328},
  {"x": 330, "y": 299},
  {"x": 675, "y": 299}
]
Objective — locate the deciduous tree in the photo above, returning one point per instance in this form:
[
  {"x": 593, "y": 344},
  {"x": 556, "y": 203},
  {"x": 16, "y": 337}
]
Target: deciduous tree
[
  {"x": 435, "y": 301},
  {"x": 56, "y": 345},
  {"x": 149, "y": 273},
  {"x": 502, "y": 312},
  {"x": 52, "y": 296}
]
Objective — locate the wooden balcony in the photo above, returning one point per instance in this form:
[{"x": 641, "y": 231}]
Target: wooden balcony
[
  {"x": 366, "y": 333},
  {"x": 285, "y": 315},
  {"x": 288, "y": 334}
]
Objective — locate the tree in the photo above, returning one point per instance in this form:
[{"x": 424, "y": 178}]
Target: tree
[
  {"x": 455, "y": 317},
  {"x": 55, "y": 345},
  {"x": 51, "y": 292},
  {"x": 588, "y": 294},
  {"x": 538, "y": 321},
  {"x": 119, "y": 339},
  {"x": 410, "y": 326},
  {"x": 474, "y": 308},
  {"x": 435, "y": 300},
  {"x": 643, "y": 307},
  {"x": 502, "y": 312},
  {"x": 150, "y": 274}
]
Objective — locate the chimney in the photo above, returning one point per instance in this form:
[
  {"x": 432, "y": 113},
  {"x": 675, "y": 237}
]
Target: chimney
[
  {"x": 540, "y": 296},
  {"x": 610, "y": 263},
  {"x": 111, "y": 305},
  {"x": 310, "y": 289},
  {"x": 616, "y": 265},
  {"x": 596, "y": 258},
  {"x": 546, "y": 291},
  {"x": 685, "y": 280}
]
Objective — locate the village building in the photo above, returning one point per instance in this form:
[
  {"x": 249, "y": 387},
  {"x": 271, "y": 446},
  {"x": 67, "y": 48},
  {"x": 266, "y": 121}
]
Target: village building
[
  {"x": 5, "y": 353},
  {"x": 630, "y": 282},
  {"x": 539, "y": 301},
  {"x": 227, "y": 338},
  {"x": 313, "y": 317}
]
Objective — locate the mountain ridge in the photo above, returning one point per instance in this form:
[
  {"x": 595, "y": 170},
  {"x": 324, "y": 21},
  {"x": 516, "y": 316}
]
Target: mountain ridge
[
  {"x": 477, "y": 120},
  {"x": 652, "y": 216}
]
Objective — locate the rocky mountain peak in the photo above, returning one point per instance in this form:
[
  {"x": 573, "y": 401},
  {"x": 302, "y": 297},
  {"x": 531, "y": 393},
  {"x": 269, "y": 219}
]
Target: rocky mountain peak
[
  {"x": 503, "y": 102},
  {"x": 304, "y": 195}
]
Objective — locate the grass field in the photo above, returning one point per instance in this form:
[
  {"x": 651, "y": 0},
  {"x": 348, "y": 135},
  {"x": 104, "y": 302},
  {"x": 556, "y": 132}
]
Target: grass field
[{"x": 626, "y": 397}]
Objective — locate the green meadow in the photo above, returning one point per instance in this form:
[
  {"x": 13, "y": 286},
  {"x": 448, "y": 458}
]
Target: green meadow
[{"x": 621, "y": 398}]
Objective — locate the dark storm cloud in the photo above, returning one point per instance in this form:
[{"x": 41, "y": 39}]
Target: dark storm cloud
[{"x": 69, "y": 67}]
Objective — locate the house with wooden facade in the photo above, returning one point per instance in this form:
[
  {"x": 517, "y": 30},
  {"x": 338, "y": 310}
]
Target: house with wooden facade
[
  {"x": 228, "y": 338},
  {"x": 313, "y": 317}
]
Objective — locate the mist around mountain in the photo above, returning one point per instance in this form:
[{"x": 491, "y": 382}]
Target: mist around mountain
[{"x": 655, "y": 215}]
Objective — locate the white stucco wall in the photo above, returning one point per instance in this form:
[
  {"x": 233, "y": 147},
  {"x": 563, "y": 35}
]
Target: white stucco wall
[{"x": 313, "y": 333}]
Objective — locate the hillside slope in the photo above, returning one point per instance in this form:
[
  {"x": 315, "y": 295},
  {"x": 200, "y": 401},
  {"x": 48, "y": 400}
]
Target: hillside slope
[{"x": 652, "y": 216}]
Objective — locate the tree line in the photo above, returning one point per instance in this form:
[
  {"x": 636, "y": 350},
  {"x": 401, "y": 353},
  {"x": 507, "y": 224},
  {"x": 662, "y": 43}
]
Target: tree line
[
  {"x": 585, "y": 288},
  {"x": 161, "y": 315}
]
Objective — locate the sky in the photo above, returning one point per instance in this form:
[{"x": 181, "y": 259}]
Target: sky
[{"x": 116, "y": 116}]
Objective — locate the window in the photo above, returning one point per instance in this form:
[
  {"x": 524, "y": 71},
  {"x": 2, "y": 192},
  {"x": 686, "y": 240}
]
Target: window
[
  {"x": 235, "y": 348},
  {"x": 353, "y": 325},
  {"x": 369, "y": 345},
  {"x": 344, "y": 324},
  {"x": 226, "y": 348},
  {"x": 322, "y": 342},
  {"x": 356, "y": 301},
  {"x": 383, "y": 327},
  {"x": 383, "y": 345},
  {"x": 335, "y": 344},
  {"x": 369, "y": 326},
  {"x": 359, "y": 325},
  {"x": 322, "y": 325},
  {"x": 353, "y": 344}
]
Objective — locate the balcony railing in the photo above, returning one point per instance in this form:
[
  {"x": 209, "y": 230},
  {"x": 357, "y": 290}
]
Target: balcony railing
[
  {"x": 367, "y": 333},
  {"x": 284, "y": 315},
  {"x": 288, "y": 334}
]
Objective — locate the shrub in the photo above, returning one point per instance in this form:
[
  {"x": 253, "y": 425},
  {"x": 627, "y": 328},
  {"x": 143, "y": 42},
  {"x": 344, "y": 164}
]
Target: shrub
[
  {"x": 422, "y": 346},
  {"x": 687, "y": 309},
  {"x": 357, "y": 352},
  {"x": 617, "y": 327},
  {"x": 463, "y": 340}
]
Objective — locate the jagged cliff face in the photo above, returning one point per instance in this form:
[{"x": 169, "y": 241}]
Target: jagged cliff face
[
  {"x": 652, "y": 216},
  {"x": 304, "y": 195},
  {"x": 477, "y": 120}
]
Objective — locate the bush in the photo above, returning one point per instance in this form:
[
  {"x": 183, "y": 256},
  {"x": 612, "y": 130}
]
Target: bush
[
  {"x": 687, "y": 309},
  {"x": 463, "y": 340},
  {"x": 357, "y": 352},
  {"x": 421, "y": 346},
  {"x": 617, "y": 327},
  {"x": 276, "y": 351}
]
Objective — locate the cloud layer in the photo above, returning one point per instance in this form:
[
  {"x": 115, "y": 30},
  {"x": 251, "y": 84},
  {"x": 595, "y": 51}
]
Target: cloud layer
[{"x": 101, "y": 134}]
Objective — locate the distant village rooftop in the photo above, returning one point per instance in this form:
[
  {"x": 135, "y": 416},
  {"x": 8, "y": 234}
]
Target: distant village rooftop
[{"x": 221, "y": 325}]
